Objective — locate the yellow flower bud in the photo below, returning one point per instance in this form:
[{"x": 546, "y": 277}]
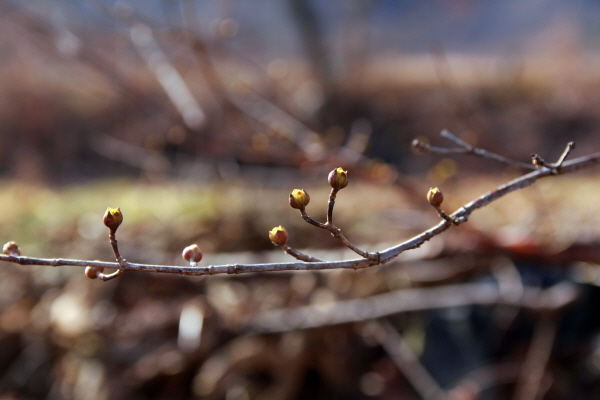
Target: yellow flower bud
[
  {"x": 11, "y": 249},
  {"x": 278, "y": 235},
  {"x": 435, "y": 197},
  {"x": 113, "y": 218},
  {"x": 338, "y": 178},
  {"x": 192, "y": 253},
  {"x": 299, "y": 199}
]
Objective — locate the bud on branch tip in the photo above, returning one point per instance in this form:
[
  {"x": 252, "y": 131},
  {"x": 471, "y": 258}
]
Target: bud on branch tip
[
  {"x": 192, "y": 253},
  {"x": 278, "y": 235},
  {"x": 299, "y": 199},
  {"x": 11, "y": 249},
  {"x": 435, "y": 197},
  {"x": 113, "y": 218},
  {"x": 338, "y": 178}
]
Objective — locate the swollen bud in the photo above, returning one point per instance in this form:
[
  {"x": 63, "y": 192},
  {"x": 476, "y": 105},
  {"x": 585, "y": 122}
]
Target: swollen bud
[
  {"x": 113, "y": 218},
  {"x": 11, "y": 249},
  {"x": 278, "y": 235},
  {"x": 435, "y": 197},
  {"x": 299, "y": 199},
  {"x": 338, "y": 178},
  {"x": 192, "y": 253},
  {"x": 93, "y": 272}
]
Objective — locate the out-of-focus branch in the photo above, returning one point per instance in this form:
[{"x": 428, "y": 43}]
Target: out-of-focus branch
[
  {"x": 408, "y": 300},
  {"x": 167, "y": 75},
  {"x": 406, "y": 360},
  {"x": 532, "y": 371}
]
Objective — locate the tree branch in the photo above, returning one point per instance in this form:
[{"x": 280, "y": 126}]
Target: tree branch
[
  {"x": 458, "y": 217},
  {"x": 409, "y": 300},
  {"x": 465, "y": 148}
]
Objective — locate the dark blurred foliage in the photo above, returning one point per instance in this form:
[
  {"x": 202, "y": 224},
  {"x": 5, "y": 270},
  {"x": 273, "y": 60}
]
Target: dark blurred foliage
[{"x": 258, "y": 94}]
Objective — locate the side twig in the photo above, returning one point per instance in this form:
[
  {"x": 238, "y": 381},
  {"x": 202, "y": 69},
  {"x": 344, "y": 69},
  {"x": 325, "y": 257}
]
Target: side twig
[{"x": 465, "y": 148}]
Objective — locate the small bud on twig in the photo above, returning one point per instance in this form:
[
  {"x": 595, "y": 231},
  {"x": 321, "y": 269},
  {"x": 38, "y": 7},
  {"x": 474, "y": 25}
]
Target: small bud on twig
[
  {"x": 93, "y": 272},
  {"x": 299, "y": 199},
  {"x": 192, "y": 253},
  {"x": 113, "y": 218},
  {"x": 338, "y": 178},
  {"x": 435, "y": 197},
  {"x": 278, "y": 236},
  {"x": 11, "y": 249}
]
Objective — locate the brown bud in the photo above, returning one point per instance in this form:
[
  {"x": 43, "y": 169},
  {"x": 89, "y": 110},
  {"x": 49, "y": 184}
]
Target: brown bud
[
  {"x": 192, "y": 253},
  {"x": 435, "y": 197},
  {"x": 11, "y": 249},
  {"x": 338, "y": 178},
  {"x": 93, "y": 272},
  {"x": 113, "y": 218},
  {"x": 278, "y": 235},
  {"x": 299, "y": 199}
]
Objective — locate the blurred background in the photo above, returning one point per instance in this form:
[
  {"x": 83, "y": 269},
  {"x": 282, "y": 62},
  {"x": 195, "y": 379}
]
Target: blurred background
[{"x": 197, "y": 118}]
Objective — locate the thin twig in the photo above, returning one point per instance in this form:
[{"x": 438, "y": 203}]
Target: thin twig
[
  {"x": 331, "y": 205},
  {"x": 383, "y": 257},
  {"x": 409, "y": 364},
  {"x": 539, "y": 162},
  {"x": 337, "y": 232},
  {"x": 465, "y": 148},
  {"x": 532, "y": 371},
  {"x": 409, "y": 300},
  {"x": 298, "y": 254}
]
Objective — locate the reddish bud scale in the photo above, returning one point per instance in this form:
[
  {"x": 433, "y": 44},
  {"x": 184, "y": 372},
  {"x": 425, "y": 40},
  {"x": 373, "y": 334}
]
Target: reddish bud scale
[
  {"x": 278, "y": 236},
  {"x": 338, "y": 178},
  {"x": 435, "y": 197},
  {"x": 113, "y": 218},
  {"x": 299, "y": 199},
  {"x": 192, "y": 253}
]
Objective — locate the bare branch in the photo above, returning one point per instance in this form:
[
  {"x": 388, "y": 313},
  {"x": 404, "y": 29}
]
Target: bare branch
[
  {"x": 465, "y": 148},
  {"x": 410, "y": 300},
  {"x": 539, "y": 162},
  {"x": 460, "y": 216},
  {"x": 532, "y": 370},
  {"x": 408, "y": 363}
]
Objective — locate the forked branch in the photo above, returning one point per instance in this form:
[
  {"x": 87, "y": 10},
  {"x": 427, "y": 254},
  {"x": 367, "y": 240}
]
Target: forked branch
[{"x": 299, "y": 199}]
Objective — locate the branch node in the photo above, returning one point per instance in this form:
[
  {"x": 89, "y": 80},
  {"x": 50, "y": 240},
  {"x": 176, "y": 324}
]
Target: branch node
[
  {"x": 462, "y": 215},
  {"x": 554, "y": 167},
  {"x": 377, "y": 257},
  {"x": 105, "y": 278}
]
